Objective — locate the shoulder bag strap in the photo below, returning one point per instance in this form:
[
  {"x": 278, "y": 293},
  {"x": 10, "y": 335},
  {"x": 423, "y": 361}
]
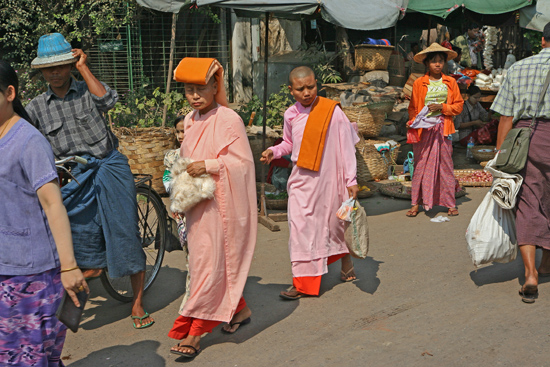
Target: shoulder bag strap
[{"x": 543, "y": 92}]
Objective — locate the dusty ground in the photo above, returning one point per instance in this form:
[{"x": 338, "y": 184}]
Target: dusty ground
[{"x": 418, "y": 302}]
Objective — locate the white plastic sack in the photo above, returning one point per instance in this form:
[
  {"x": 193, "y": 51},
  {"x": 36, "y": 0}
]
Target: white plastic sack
[
  {"x": 491, "y": 234},
  {"x": 345, "y": 210},
  {"x": 357, "y": 233},
  {"x": 505, "y": 186}
]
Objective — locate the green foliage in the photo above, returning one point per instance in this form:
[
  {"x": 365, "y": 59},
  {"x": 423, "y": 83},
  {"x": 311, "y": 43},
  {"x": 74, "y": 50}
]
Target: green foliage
[
  {"x": 143, "y": 108},
  {"x": 321, "y": 63},
  {"x": 277, "y": 104},
  {"x": 534, "y": 38},
  {"x": 280, "y": 196},
  {"x": 29, "y": 86}
]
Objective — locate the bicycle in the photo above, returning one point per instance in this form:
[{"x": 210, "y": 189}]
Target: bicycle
[{"x": 153, "y": 229}]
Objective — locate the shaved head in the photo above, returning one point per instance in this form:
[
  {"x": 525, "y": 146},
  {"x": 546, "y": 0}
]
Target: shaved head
[{"x": 299, "y": 73}]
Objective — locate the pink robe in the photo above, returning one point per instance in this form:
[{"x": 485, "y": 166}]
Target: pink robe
[
  {"x": 221, "y": 231},
  {"x": 314, "y": 197}
]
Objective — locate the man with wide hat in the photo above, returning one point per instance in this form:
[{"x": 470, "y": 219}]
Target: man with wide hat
[{"x": 102, "y": 206}]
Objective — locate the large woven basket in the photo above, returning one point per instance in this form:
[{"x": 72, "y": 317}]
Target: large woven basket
[
  {"x": 145, "y": 149},
  {"x": 480, "y": 154},
  {"x": 256, "y": 146},
  {"x": 370, "y": 164},
  {"x": 400, "y": 191},
  {"x": 372, "y": 57},
  {"x": 370, "y": 117}
]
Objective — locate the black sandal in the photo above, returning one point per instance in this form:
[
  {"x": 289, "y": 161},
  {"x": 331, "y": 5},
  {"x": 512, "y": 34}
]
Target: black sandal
[
  {"x": 187, "y": 355},
  {"x": 529, "y": 293},
  {"x": 241, "y": 323}
]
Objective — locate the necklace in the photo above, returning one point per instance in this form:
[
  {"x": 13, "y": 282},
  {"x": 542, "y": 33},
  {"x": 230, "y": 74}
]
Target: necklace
[{"x": 6, "y": 125}]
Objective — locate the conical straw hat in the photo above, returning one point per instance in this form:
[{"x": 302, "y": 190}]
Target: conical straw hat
[{"x": 434, "y": 47}]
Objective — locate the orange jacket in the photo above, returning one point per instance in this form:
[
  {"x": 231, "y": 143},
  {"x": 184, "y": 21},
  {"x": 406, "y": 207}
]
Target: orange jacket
[{"x": 452, "y": 108}]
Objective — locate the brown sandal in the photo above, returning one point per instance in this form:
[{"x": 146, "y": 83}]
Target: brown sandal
[
  {"x": 453, "y": 212},
  {"x": 412, "y": 213}
]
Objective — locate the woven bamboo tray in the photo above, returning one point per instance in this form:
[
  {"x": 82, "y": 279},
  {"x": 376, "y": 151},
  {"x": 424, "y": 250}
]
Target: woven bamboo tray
[
  {"x": 370, "y": 164},
  {"x": 277, "y": 204},
  {"x": 397, "y": 190},
  {"x": 363, "y": 194},
  {"x": 462, "y": 177},
  {"x": 372, "y": 57},
  {"x": 145, "y": 149},
  {"x": 483, "y": 156}
]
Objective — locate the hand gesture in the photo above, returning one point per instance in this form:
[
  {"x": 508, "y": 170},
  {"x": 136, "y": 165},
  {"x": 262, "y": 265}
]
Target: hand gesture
[
  {"x": 267, "y": 156},
  {"x": 73, "y": 281},
  {"x": 435, "y": 107},
  {"x": 81, "y": 58},
  {"x": 196, "y": 169}
]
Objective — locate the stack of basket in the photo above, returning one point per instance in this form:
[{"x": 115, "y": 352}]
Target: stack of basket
[{"x": 370, "y": 117}]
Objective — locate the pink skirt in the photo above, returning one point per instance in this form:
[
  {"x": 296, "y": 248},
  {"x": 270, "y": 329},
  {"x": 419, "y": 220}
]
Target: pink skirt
[{"x": 433, "y": 181}]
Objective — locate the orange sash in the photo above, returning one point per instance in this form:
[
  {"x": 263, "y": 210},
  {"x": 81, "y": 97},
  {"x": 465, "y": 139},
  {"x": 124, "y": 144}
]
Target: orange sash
[{"x": 313, "y": 141}]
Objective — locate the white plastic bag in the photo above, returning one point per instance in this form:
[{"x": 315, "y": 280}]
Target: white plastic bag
[
  {"x": 491, "y": 234},
  {"x": 357, "y": 233},
  {"x": 344, "y": 213}
]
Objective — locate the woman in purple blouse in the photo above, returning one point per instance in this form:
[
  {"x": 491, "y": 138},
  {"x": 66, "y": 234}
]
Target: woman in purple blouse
[{"x": 36, "y": 251}]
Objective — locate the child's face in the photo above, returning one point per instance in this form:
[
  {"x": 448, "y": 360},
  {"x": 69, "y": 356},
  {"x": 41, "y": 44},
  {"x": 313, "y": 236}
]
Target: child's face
[
  {"x": 304, "y": 90},
  {"x": 201, "y": 97},
  {"x": 179, "y": 132}
]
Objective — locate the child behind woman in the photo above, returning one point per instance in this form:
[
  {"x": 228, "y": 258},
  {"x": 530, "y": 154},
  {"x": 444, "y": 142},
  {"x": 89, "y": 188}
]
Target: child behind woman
[{"x": 36, "y": 250}]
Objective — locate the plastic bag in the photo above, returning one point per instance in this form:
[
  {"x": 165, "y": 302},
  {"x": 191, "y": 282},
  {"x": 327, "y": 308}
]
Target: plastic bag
[
  {"x": 491, "y": 234},
  {"x": 345, "y": 210},
  {"x": 357, "y": 233}
]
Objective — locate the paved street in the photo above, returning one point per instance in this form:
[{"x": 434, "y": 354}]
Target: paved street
[{"x": 418, "y": 302}]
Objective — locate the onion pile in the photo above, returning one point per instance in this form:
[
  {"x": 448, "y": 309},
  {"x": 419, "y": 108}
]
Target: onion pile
[{"x": 475, "y": 176}]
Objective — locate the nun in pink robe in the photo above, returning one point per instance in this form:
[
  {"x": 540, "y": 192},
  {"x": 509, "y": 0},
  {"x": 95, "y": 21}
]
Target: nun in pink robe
[
  {"x": 316, "y": 234},
  {"x": 222, "y": 231}
]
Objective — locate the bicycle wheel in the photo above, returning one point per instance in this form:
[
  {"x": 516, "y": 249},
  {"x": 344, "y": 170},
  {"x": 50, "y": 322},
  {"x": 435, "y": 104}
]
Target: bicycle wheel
[{"x": 152, "y": 228}]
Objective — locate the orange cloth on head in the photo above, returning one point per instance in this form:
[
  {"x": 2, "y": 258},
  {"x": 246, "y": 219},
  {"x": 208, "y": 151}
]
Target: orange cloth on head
[
  {"x": 184, "y": 326},
  {"x": 195, "y": 70},
  {"x": 313, "y": 142},
  {"x": 452, "y": 107},
  {"x": 312, "y": 285}
]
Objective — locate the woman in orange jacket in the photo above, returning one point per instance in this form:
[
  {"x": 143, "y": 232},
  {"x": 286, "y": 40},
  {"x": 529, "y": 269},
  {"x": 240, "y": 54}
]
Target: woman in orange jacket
[{"x": 435, "y": 100}]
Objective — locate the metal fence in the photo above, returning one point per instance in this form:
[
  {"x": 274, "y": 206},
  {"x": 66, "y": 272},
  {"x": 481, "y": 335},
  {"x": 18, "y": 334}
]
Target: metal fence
[{"x": 130, "y": 56}]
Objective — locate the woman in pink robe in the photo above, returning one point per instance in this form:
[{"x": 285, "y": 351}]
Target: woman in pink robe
[{"x": 222, "y": 231}]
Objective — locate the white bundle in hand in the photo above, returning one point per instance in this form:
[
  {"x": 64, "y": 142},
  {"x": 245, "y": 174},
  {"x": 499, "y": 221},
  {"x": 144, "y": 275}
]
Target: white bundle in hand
[{"x": 187, "y": 191}]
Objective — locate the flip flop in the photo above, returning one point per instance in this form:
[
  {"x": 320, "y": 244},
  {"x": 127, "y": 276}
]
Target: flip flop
[
  {"x": 344, "y": 276},
  {"x": 453, "y": 212},
  {"x": 412, "y": 213},
  {"x": 186, "y": 355},
  {"x": 529, "y": 293},
  {"x": 291, "y": 298},
  {"x": 241, "y": 323},
  {"x": 143, "y": 326}
]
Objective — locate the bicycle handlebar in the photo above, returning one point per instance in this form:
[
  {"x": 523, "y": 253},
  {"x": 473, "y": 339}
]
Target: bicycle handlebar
[{"x": 75, "y": 158}]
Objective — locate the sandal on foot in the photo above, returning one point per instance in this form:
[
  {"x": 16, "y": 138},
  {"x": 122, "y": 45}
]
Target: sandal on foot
[
  {"x": 345, "y": 277},
  {"x": 529, "y": 293},
  {"x": 142, "y": 326},
  {"x": 291, "y": 294},
  {"x": 187, "y": 355},
  {"x": 241, "y": 323},
  {"x": 453, "y": 212},
  {"x": 412, "y": 213}
]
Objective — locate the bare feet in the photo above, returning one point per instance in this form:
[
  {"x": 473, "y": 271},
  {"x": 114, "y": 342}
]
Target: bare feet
[
  {"x": 238, "y": 319},
  {"x": 182, "y": 349},
  {"x": 347, "y": 274}
]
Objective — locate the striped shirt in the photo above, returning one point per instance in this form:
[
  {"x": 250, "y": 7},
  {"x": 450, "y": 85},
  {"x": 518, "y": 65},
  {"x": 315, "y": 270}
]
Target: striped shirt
[
  {"x": 522, "y": 86},
  {"x": 74, "y": 125}
]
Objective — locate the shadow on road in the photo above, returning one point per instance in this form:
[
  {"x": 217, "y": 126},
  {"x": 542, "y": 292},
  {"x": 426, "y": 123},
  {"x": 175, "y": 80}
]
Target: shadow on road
[
  {"x": 106, "y": 310},
  {"x": 123, "y": 355},
  {"x": 365, "y": 269}
]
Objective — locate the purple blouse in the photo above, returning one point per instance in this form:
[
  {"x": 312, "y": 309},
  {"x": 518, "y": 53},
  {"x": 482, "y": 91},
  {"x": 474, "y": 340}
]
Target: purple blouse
[{"x": 26, "y": 243}]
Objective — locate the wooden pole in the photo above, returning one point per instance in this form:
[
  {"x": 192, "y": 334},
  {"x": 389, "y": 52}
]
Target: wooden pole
[{"x": 170, "y": 65}]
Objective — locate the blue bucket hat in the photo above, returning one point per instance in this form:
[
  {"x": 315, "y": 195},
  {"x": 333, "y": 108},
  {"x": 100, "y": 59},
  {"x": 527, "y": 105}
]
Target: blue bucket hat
[{"x": 53, "y": 50}]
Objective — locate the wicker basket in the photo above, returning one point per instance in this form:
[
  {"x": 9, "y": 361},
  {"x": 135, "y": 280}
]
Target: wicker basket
[
  {"x": 145, "y": 149},
  {"x": 370, "y": 164},
  {"x": 372, "y": 57},
  {"x": 256, "y": 146},
  {"x": 363, "y": 194},
  {"x": 483, "y": 156},
  {"x": 277, "y": 204},
  {"x": 370, "y": 117},
  {"x": 462, "y": 177}
]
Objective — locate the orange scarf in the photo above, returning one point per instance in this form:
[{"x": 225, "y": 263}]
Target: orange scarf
[{"x": 315, "y": 132}]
